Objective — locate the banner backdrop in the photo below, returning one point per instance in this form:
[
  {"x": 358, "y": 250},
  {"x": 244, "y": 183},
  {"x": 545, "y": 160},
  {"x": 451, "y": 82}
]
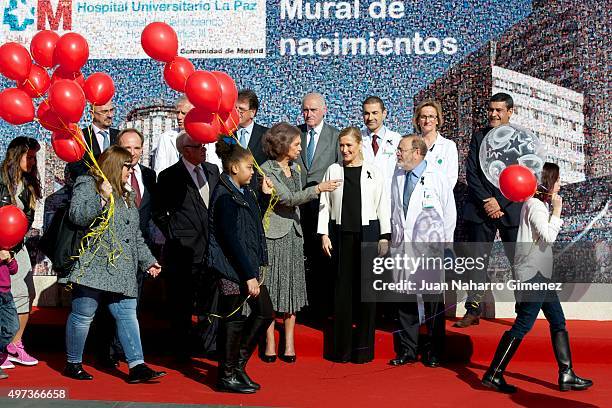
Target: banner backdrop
[{"x": 547, "y": 54}]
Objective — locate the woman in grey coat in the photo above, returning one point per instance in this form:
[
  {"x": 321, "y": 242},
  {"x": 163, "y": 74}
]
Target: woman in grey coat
[
  {"x": 108, "y": 266},
  {"x": 285, "y": 278}
]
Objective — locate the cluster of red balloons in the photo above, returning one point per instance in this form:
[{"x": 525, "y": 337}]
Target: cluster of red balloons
[
  {"x": 517, "y": 183},
  {"x": 13, "y": 224},
  {"x": 213, "y": 94},
  {"x": 65, "y": 92}
]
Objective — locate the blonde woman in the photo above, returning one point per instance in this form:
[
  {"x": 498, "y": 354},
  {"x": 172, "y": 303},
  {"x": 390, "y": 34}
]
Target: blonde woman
[{"x": 356, "y": 212}]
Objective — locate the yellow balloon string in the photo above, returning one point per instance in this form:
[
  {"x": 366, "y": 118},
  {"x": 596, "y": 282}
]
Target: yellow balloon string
[{"x": 266, "y": 218}]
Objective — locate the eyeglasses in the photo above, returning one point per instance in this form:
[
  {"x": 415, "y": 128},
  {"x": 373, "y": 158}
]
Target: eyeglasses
[
  {"x": 105, "y": 111},
  {"x": 400, "y": 150},
  {"x": 129, "y": 166},
  {"x": 242, "y": 110},
  {"x": 427, "y": 117},
  {"x": 198, "y": 146}
]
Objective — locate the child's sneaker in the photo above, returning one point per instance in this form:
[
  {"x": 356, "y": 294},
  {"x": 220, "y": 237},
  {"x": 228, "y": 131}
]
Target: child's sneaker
[
  {"x": 5, "y": 362},
  {"x": 17, "y": 354}
]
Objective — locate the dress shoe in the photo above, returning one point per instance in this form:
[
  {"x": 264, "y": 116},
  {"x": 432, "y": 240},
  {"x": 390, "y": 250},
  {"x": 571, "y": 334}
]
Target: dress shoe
[
  {"x": 142, "y": 373},
  {"x": 267, "y": 359},
  {"x": 468, "y": 320},
  {"x": 287, "y": 359},
  {"x": 76, "y": 371},
  {"x": 431, "y": 361},
  {"x": 402, "y": 359},
  {"x": 233, "y": 384}
]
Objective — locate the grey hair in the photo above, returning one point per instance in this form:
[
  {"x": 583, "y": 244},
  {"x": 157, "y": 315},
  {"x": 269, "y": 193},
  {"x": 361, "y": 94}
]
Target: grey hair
[
  {"x": 317, "y": 95},
  {"x": 182, "y": 140}
]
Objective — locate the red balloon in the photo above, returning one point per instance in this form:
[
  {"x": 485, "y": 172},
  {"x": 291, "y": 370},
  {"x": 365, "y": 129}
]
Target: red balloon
[
  {"x": 517, "y": 183},
  {"x": 159, "y": 41},
  {"x": 203, "y": 91},
  {"x": 71, "y": 52},
  {"x": 77, "y": 76},
  {"x": 48, "y": 118},
  {"x": 15, "y": 61},
  {"x": 99, "y": 88},
  {"x": 231, "y": 122},
  {"x": 16, "y": 106},
  {"x": 202, "y": 126},
  {"x": 176, "y": 73},
  {"x": 37, "y": 83},
  {"x": 67, "y": 100},
  {"x": 229, "y": 92},
  {"x": 13, "y": 224},
  {"x": 66, "y": 145},
  {"x": 42, "y": 47}
]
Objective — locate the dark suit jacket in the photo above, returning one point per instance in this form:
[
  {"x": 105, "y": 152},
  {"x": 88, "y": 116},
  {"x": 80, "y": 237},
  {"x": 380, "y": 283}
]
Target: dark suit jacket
[
  {"x": 149, "y": 179},
  {"x": 479, "y": 188},
  {"x": 81, "y": 167},
  {"x": 326, "y": 153},
  {"x": 255, "y": 143},
  {"x": 182, "y": 216}
]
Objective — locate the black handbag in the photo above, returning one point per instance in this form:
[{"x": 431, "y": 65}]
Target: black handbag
[{"x": 61, "y": 241}]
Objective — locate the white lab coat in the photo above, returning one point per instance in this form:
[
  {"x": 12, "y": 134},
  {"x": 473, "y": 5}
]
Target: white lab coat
[
  {"x": 166, "y": 153},
  {"x": 385, "y": 159},
  {"x": 443, "y": 156},
  {"x": 431, "y": 218},
  {"x": 431, "y": 215}
]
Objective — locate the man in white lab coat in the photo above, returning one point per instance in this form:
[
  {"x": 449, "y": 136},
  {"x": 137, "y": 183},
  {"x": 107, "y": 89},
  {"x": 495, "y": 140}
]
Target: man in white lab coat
[
  {"x": 422, "y": 211},
  {"x": 379, "y": 142}
]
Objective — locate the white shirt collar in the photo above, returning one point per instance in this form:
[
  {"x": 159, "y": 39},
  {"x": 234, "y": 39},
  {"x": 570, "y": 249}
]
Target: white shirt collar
[
  {"x": 249, "y": 129},
  {"x": 381, "y": 132},
  {"x": 318, "y": 128},
  {"x": 190, "y": 167}
]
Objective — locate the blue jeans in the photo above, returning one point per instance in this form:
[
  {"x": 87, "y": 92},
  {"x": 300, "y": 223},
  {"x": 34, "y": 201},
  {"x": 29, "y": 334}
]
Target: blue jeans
[
  {"x": 530, "y": 303},
  {"x": 84, "y": 305},
  {"x": 9, "y": 321}
]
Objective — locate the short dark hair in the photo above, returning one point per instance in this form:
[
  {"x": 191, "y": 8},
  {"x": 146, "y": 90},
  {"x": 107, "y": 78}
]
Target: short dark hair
[
  {"x": 130, "y": 130},
  {"x": 278, "y": 138},
  {"x": 503, "y": 97},
  {"x": 251, "y": 97},
  {"x": 374, "y": 99}
]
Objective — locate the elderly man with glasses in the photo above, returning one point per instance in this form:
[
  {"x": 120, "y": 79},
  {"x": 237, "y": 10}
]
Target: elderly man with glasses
[{"x": 180, "y": 210}]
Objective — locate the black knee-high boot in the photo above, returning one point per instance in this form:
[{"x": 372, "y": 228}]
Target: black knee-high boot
[
  {"x": 231, "y": 336},
  {"x": 250, "y": 339},
  {"x": 568, "y": 380},
  {"x": 494, "y": 377}
]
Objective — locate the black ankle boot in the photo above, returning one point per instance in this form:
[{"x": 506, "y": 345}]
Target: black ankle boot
[
  {"x": 76, "y": 371},
  {"x": 568, "y": 380},
  {"x": 229, "y": 379},
  {"x": 255, "y": 331},
  {"x": 494, "y": 377}
]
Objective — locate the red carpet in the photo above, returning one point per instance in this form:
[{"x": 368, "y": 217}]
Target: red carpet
[{"x": 313, "y": 381}]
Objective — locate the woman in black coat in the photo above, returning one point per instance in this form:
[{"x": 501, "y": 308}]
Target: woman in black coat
[{"x": 237, "y": 250}]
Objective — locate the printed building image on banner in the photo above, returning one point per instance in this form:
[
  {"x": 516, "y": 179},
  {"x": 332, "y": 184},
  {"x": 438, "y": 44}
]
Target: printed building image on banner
[{"x": 206, "y": 29}]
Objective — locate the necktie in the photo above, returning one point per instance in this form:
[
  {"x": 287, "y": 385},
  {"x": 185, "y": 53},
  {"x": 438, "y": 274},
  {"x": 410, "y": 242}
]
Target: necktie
[
  {"x": 106, "y": 140},
  {"x": 202, "y": 185},
  {"x": 408, "y": 189},
  {"x": 311, "y": 147},
  {"x": 375, "y": 144},
  {"x": 242, "y": 138},
  {"x": 136, "y": 190}
]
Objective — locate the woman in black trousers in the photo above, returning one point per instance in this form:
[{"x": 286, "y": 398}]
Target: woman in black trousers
[{"x": 355, "y": 213}]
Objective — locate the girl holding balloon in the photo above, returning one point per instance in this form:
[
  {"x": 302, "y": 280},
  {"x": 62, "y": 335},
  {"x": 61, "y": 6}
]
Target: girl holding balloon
[
  {"x": 20, "y": 186},
  {"x": 540, "y": 222}
]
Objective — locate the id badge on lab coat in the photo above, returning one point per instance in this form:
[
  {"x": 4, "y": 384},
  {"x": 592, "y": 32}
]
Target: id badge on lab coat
[{"x": 428, "y": 199}]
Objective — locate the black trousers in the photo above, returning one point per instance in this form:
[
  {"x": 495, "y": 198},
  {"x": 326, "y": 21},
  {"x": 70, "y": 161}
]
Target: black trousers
[
  {"x": 351, "y": 344},
  {"x": 406, "y": 338},
  {"x": 482, "y": 236}
]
